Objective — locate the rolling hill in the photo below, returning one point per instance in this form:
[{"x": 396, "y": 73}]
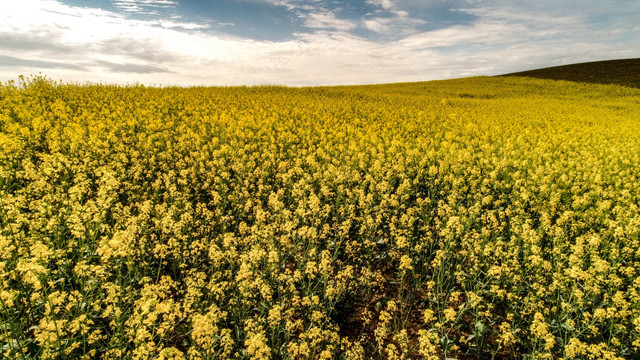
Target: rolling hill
[{"x": 624, "y": 72}]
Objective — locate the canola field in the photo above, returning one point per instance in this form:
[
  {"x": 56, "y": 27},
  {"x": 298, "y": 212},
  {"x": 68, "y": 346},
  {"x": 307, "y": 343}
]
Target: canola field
[{"x": 472, "y": 218}]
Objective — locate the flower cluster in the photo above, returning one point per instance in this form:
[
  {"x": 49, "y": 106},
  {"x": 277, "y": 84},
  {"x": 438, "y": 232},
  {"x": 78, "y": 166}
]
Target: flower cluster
[{"x": 480, "y": 217}]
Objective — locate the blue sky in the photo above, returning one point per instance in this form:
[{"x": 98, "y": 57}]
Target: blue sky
[{"x": 306, "y": 42}]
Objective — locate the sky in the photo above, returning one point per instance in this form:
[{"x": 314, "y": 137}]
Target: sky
[{"x": 306, "y": 42}]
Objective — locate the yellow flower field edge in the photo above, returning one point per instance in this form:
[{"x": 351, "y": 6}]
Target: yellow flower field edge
[{"x": 472, "y": 218}]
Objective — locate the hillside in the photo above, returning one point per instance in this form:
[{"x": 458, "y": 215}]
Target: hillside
[{"x": 624, "y": 72}]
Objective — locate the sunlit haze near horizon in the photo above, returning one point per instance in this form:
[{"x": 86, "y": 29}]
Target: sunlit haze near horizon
[{"x": 306, "y": 42}]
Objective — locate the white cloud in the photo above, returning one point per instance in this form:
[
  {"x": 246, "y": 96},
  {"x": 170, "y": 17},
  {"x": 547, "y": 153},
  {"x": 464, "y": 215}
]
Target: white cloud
[
  {"x": 327, "y": 20},
  {"x": 488, "y": 34},
  {"x": 292, "y": 4},
  {"x": 143, "y": 6},
  {"x": 385, "y": 4},
  {"x": 184, "y": 25},
  {"x": 379, "y": 25},
  {"x": 80, "y": 44},
  {"x": 399, "y": 24}
]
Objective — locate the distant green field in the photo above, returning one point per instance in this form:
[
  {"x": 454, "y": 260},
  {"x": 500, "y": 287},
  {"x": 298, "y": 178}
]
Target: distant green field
[
  {"x": 487, "y": 217},
  {"x": 624, "y": 72}
]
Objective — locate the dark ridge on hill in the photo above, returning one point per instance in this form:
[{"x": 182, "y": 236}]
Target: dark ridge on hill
[{"x": 625, "y": 72}]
